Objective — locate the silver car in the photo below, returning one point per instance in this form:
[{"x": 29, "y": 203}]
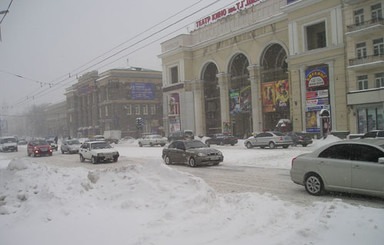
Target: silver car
[
  {"x": 70, "y": 146},
  {"x": 268, "y": 139},
  {"x": 355, "y": 166}
]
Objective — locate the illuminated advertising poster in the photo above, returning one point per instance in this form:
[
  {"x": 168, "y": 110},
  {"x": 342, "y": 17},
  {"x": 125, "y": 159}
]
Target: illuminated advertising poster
[
  {"x": 268, "y": 97},
  {"x": 143, "y": 91},
  {"x": 245, "y": 99},
  {"x": 282, "y": 95},
  {"x": 317, "y": 98},
  {"x": 234, "y": 101}
]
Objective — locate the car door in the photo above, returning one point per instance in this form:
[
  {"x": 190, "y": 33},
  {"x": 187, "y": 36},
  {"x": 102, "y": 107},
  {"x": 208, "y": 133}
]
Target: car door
[
  {"x": 86, "y": 150},
  {"x": 334, "y": 166},
  {"x": 367, "y": 173},
  {"x": 263, "y": 139}
]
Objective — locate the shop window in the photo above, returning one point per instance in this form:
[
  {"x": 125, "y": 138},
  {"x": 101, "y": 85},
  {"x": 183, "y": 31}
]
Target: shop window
[
  {"x": 316, "y": 36},
  {"x": 370, "y": 119},
  {"x": 362, "y": 82},
  {"x": 128, "y": 109},
  {"x": 361, "y": 50},
  {"x": 378, "y": 47},
  {"x": 376, "y": 12},
  {"x": 379, "y": 77},
  {"x": 174, "y": 75},
  {"x": 359, "y": 16}
]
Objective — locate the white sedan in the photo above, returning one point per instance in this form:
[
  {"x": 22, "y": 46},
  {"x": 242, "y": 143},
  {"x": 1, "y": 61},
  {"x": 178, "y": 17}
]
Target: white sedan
[{"x": 153, "y": 140}]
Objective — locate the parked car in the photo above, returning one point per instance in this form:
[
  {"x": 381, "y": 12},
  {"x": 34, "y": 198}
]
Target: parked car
[
  {"x": 269, "y": 139},
  {"x": 152, "y": 140},
  {"x": 181, "y": 135},
  {"x": 376, "y": 134},
  {"x": 300, "y": 138},
  {"x": 192, "y": 152},
  {"x": 70, "y": 146},
  {"x": 8, "y": 143},
  {"x": 98, "y": 151},
  {"x": 53, "y": 145},
  {"x": 221, "y": 139},
  {"x": 355, "y": 166},
  {"x": 22, "y": 142},
  {"x": 97, "y": 138},
  {"x": 39, "y": 148}
]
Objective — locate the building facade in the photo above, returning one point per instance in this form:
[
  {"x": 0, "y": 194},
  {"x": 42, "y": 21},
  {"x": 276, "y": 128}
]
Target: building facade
[
  {"x": 365, "y": 64},
  {"x": 114, "y": 100},
  {"x": 248, "y": 66}
]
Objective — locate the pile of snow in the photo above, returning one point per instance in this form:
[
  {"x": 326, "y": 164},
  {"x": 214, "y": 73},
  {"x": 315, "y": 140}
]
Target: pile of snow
[{"x": 150, "y": 203}]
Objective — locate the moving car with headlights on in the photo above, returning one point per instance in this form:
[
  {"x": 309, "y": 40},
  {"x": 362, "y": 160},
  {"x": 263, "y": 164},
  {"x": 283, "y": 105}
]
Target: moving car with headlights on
[
  {"x": 39, "y": 148},
  {"x": 152, "y": 140},
  {"x": 354, "y": 166},
  {"x": 8, "y": 143},
  {"x": 221, "y": 139},
  {"x": 192, "y": 152},
  {"x": 70, "y": 146},
  {"x": 98, "y": 151},
  {"x": 268, "y": 139}
]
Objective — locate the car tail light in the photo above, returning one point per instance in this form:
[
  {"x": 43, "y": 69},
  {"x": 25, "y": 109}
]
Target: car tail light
[
  {"x": 301, "y": 138},
  {"x": 281, "y": 138},
  {"x": 293, "y": 159}
]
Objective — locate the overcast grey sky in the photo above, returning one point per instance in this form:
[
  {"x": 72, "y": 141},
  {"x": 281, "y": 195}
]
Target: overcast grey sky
[{"x": 46, "y": 41}]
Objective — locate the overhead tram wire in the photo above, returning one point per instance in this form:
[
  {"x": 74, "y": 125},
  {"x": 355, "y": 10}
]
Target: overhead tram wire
[{"x": 132, "y": 45}]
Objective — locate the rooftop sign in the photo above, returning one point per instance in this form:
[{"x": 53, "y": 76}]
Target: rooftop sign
[{"x": 240, "y": 5}]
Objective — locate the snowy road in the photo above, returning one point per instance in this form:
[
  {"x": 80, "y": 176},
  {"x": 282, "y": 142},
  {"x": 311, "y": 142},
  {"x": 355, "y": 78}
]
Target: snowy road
[{"x": 231, "y": 176}]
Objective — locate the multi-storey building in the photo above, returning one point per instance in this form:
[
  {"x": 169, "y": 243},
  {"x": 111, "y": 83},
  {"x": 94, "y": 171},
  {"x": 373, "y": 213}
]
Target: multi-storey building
[
  {"x": 251, "y": 64},
  {"x": 364, "y": 33},
  {"x": 114, "y": 100}
]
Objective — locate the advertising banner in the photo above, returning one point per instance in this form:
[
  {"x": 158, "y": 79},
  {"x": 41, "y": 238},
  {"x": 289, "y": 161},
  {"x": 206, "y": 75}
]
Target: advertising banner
[
  {"x": 282, "y": 95},
  {"x": 143, "y": 91},
  {"x": 316, "y": 78},
  {"x": 268, "y": 97}
]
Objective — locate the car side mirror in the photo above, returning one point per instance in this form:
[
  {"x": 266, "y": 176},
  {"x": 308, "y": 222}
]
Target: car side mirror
[{"x": 381, "y": 160}]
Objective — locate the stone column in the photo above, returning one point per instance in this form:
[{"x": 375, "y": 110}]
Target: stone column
[
  {"x": 255, "y": 79},
  {"x": 224, "y": 81},
  {"x": 198, "y": 99}
]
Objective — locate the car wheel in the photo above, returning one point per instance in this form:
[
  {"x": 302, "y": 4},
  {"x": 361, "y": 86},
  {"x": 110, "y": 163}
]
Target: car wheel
[
  {"x": 115, "y": 159},
  {"x": 271, "y": 145},
  {"x": 192, "y": 162},
  {"x": 94, "y": 160},
  {"x": 140, "y": 144},
  {"x": 304, "y": 145},
  {"x": 82, "y": 159},
  {"x": 314, "y": 184},
  {"x": 167, "y": 160},
  {"x": 151, "y": 144},
  {"x": 285, "y": 146},
  {"x": 249, "y": 145}
]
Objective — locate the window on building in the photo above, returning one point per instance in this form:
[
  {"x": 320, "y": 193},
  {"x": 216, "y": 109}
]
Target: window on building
[
  {"x": 362, "y": 82},
  {"x": 369, "y": 119},
  {"x": 128, "y": 109},
  {"x": 153, "y": 109},
  {"x": 361, "y": 50},
  {"x": 316, "y": 36},
  {"x": 379, "y": 77},
  {"x": 174, "y": 75},
  {"x": 378, "y": 47},
  {"x": 359, "y": 16},
  {"x": 145, "y": 109},
  {"x": 376, "y": 12},
  {"x": 137, "y": 110}
]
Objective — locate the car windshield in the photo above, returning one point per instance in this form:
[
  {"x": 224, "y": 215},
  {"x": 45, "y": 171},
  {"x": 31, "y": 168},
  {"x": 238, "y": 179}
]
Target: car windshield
[
  {"x": 195, "y": 144},
  {"x": 73, "y": 142},
  {"x": 155, "y": 136},
  {"x": 8, "y": 140},
  {"x": 41, "y": 142},
  {"x": 101, "y": 145}
]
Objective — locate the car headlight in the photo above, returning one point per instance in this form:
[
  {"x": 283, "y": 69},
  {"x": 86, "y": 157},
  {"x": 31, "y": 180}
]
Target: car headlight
[{"x": 200, "y": 154}]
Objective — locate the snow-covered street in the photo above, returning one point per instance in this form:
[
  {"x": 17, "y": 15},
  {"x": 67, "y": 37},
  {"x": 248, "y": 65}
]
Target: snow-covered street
[{"x": 140, "y": 200}]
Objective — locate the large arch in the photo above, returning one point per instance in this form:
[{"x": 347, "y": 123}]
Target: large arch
[
  {"x": 275, "y": 89},
  {"x": 240, "y": 108},
  {"x": 211, "y": 99}
]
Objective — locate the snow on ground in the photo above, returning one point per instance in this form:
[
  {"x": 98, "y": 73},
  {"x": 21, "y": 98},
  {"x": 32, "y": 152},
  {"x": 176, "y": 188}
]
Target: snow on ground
[{"x": 154, "y": 204}]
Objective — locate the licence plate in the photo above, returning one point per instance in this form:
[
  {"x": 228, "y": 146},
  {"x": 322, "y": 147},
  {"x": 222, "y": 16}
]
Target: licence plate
[{"x": 214, "y": 158}]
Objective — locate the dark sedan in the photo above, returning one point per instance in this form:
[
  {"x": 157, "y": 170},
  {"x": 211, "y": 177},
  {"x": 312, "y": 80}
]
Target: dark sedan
[
  {"x": 221, "y": 139},
  {"x": 192, "y": 152},
  {"x": 300, "y": 138}
]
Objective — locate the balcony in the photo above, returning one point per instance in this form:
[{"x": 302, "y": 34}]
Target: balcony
[
  {"x": 369, "y": 96},
  {"x": 366, "y": 27},
  {"x": 368, "y": 62}
]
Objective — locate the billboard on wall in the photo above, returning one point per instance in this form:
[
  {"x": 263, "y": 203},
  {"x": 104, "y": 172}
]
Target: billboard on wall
[
  {"x": 143, "y": 91},
  {"x": 275, "y": 96},
  {"x": 240, "y": 100},
  {"x": 317, "y": 96}
]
